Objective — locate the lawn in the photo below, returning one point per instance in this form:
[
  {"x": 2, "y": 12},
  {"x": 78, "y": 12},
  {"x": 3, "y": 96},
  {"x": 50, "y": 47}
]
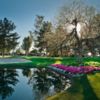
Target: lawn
[
  {"x": 14, "y": 62},
  {"x": 84, "y": 88},
  {"x": 45, "y": 61}
]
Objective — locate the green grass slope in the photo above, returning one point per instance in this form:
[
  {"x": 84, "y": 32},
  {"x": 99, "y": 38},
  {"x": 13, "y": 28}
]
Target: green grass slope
[
  {"x": 83, "y": 88},
  {"x": 45, "y": 61}
]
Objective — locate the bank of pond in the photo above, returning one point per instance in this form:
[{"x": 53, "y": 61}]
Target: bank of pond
[
  {"x": 46, "y": 84},
  {"x": 50, "y": 78}
]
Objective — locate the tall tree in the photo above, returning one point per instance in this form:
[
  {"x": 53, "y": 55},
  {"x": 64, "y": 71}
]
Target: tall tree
[
  {"x": 55, "y": 41},
  {"x": 27, "y": 42},
  {"x": 96, "y": 24},
  {"x": 13, "y": 42},
  {"x": 41, "y": 28},
  {"x": 8, "y": 38},
  {"x": 77, "y": 21}
]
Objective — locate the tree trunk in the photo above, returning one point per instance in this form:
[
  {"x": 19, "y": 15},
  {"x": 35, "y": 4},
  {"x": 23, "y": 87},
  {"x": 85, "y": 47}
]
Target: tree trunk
[
  {"x": 61, "y": 50},
  {"x": 3, "y": 53},
  {"x": 79, "y": 45},
  {"x": 26, "y": 53}
]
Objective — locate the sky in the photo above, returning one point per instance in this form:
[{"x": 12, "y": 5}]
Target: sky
[{"x": 23, "y": 12}]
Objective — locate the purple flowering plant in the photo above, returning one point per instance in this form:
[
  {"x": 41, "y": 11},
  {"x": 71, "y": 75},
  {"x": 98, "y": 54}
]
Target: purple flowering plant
[{"x": 77, "y": 70}]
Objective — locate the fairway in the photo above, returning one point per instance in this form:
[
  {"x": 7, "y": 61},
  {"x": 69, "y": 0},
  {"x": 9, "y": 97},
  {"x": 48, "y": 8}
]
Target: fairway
[
  {"x": 46, "y": 61},
  {"x": 50, "y": 50},
  {"x": 83, "y": 88},
  {"x": 15, "y": 63}
]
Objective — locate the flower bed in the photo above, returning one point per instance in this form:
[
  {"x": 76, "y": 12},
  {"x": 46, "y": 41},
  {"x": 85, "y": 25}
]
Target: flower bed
[{"x": 73, "y": 70}]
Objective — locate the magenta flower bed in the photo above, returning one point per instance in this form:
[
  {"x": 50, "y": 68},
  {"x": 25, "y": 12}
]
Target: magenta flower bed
[{"x": 77, "y": 70}]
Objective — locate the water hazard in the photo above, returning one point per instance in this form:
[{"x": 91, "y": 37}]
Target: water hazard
[{"x": 31, "y": 84}]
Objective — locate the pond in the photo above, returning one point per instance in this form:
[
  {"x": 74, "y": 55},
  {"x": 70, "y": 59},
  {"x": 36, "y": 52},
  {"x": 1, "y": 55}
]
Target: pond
[{"x": 31, "y": 84}]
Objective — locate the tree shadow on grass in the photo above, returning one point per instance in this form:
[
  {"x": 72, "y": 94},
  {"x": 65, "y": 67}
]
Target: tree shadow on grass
[
  {"x": 88, "y": 91},
  {"x": 81, "y": 89}
]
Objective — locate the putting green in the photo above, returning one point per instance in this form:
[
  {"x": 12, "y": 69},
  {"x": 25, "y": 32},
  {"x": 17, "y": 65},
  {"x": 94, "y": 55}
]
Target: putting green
[{"x": 15, "y": 63}]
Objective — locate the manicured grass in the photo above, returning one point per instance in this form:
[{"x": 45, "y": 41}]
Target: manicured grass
[
  {"x": 17, "y": 65},
  {"x": 83, "y": 88},
  {"x": 42, "y": 61},
  {"x": 14, "y": 62},
  {"x": 45, "y": 61}
]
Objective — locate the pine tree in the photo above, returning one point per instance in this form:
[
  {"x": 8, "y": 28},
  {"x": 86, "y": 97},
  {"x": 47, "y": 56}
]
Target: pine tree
[{"x": 8, "y": 38}]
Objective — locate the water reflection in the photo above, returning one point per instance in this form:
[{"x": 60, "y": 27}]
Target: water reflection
[
  {"x": 8, "y": 79},
  {"x": 33, "y": 84},
  {"x": 46, "y": 83},
  {"x": 26, "y": 72}
]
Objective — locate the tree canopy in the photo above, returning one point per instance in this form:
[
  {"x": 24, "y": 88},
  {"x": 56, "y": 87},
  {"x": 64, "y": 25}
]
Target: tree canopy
[
  {"x": 27, "y": 42},
  {"x": 8, "y": 38}
]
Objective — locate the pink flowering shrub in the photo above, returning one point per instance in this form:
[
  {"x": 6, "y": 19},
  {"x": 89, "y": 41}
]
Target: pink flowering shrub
[{"x": 76, "y": 70}]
